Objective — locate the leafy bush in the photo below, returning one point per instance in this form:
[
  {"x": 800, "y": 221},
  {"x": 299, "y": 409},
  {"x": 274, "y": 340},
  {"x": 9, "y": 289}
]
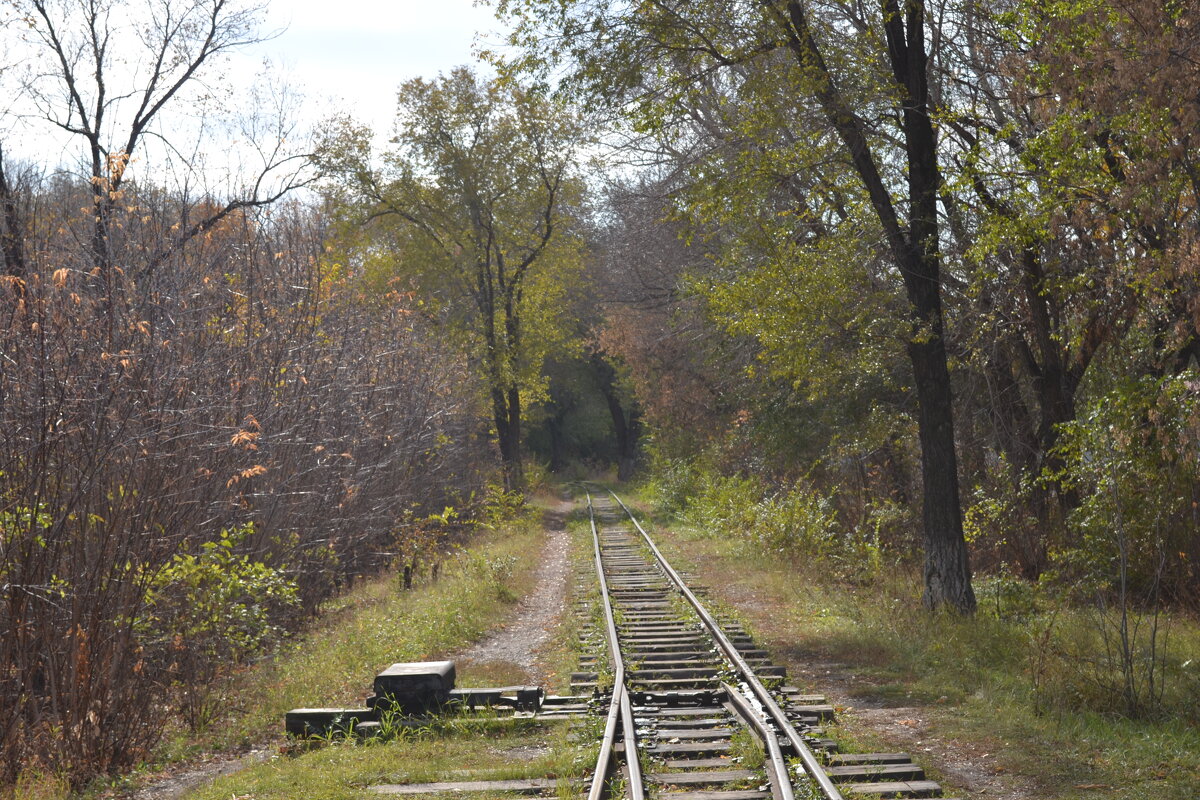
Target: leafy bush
[
  {"x": 1007, "y": 597},
  {"x": 674, "y": 482},
  {"x": 798, "y": 520},
  {"x": 500, "y": 506},
  {"x": 1132, "y": 455},
  {"x": 208, "y": 612},
  {"x": 726, "y": 506}
]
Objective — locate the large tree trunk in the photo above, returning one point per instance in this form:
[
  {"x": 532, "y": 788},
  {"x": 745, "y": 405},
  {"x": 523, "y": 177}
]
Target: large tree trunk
[
  {"x": 915, "y": 250},
  {"x": 513, "y": 468},
  {"x": 947, "y": 568}
]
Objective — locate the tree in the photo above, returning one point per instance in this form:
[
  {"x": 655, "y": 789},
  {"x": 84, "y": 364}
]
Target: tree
[
  {"x": 112, "y": 73},
  {"x": 475, "y": 207},
  {"x": 860, "y": 83}
]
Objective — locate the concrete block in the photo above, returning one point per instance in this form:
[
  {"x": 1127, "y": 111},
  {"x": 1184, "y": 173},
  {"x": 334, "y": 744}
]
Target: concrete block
[
  {"x": 416, "y": 688},
  {"x": 529, "y": 698}
]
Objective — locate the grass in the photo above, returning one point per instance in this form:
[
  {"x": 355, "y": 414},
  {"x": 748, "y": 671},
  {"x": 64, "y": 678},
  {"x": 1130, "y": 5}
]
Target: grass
[
  {"x": 342, "y": 771},
  {"x": 377, "y": 625},
  {"x": 359, "y": 633},
  {"x": 1025, "y": 688},
  {"x": 746, "y": 750}
]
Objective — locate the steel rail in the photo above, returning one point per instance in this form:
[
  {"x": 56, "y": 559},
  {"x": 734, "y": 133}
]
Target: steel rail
[
  {"x": 812, "y": 765},
  {"x": 620, "y": 707},
  {"x": 779, "y": 775}
]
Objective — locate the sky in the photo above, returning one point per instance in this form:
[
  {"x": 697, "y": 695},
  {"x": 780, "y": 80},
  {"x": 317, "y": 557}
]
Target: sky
[
  {"x": 355, "y": 58},
  {"x": 342, "y": 56}
]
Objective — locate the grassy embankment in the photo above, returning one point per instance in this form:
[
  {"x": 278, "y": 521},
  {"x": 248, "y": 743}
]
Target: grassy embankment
[
  {"x": 1008, "y": 693},
  {"x": 376, "y": 625}
]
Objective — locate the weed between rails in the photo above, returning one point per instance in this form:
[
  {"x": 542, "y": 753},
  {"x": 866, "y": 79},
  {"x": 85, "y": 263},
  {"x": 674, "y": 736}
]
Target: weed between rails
[{"x": 746, "y": 750}]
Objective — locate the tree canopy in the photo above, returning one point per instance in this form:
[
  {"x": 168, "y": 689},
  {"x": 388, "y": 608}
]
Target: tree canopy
[{"x": 478, "y": 205}]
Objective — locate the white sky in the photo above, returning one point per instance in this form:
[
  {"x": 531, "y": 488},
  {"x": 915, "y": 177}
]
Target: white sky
[
  {"x": 352, "y": 54},
  {"x": 342, "y": 56}
]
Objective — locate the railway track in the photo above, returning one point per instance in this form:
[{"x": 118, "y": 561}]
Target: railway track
[{"x": 697, "y": 711}]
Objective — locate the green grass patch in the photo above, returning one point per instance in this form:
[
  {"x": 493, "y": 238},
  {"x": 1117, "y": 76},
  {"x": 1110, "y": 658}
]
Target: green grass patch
[
  {"x": 334, "y": 664},
  {"x": 378, "y": 624},
  {"x": 334, "y": 661},
  {"x": 342, "y": 771}
]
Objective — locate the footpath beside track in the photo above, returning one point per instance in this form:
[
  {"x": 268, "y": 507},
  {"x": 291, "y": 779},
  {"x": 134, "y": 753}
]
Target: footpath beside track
[
  {"x": 687, "y": 695},
  {"x": 693, "y": 709}
]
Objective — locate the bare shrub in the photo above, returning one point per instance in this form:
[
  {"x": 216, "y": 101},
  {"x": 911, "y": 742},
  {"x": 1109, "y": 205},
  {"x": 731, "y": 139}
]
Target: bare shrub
[{"x": 244, "y": 383}]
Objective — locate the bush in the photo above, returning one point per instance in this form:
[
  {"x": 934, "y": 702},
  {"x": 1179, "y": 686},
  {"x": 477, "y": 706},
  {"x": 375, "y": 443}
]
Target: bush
[
  {"x": 726, "y": 506},
  {"x": 1133, "y": 455},
  {"x": 674, "y": 482},
  {"x": 797, "y": 521},
  {"x": 209, "y": 612},
  {"x": 243, "y": 380}
]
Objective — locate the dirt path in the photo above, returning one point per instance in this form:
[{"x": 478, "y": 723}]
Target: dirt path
[
  {"x": 527, "y": 636},
  {"x": 177, "y": 784}
]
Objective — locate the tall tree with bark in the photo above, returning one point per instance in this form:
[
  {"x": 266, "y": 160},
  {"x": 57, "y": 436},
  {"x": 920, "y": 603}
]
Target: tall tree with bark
[
  {"x": 474, "y": 208},
  {"x": 861, "y": 79}
]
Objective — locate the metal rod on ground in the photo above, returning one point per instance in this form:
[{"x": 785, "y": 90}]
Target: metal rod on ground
[
  {"x": 812, "y": 764},
  {"x": 620, "y": 706}
]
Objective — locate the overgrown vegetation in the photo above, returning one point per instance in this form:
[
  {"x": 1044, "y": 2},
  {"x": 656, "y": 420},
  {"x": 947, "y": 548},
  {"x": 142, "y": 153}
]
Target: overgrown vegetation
[
  {"x": 1124, "y": 653},
  {"x": 905, "y": 253},
  {"x": 1027, "y": 679},
  {"x": 378, "y": 624},
  {"x": 860, "y": 285}
]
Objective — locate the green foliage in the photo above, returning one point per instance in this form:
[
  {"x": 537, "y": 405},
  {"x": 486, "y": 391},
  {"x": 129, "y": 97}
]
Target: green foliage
[
  {"x": 373, "y": 625},
  {"x": 795, "y": 521},
  {"x": 502, "y": 506},
  {"x": 19, "y": 521},
  {"x": 1133, "y": 455},
  {"x": 672, "y": 482},
  {"x": 726, "y": 505},
  {"x": 1023, "y": 682},
  {"x": 210, "y": 612},
  {"x": 22, "y": 529},
  {"x": 821, "y": 321},
  {"x": 472, "y": 216},
  {"x": 1008, "y": 598}
]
